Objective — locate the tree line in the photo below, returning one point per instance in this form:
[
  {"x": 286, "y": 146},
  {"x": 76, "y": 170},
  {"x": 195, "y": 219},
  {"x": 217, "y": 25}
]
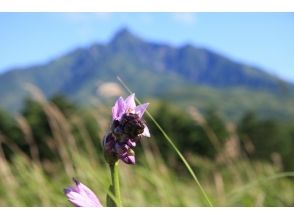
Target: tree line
[{"x": 206, "y": 134}]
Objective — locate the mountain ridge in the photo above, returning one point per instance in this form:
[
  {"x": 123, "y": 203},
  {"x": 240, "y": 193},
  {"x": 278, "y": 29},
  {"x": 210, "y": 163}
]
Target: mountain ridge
[{"x": 150, "y": 68}]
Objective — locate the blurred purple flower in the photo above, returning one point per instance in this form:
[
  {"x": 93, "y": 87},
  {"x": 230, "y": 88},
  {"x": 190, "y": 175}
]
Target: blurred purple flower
[{"x": 81, "y": 196}]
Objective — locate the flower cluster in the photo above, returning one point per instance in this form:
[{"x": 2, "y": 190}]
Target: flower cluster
[{"x": 126, "y": 129}]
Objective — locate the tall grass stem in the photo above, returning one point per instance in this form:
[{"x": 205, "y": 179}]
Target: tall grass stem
[{"x": 173, "y": 146}]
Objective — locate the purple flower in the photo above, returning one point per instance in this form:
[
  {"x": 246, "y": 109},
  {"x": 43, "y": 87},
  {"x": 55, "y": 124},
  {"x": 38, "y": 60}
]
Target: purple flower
[
  {"x": 118, "y": 150},
  {"x": 126, "y": 129},
  {"x": 81, "y": 196},
  {"x": 127, "y": 106},
  {"x": 125, "y": 152}
]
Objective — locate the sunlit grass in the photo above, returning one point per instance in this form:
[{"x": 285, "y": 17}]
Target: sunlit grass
[{"x": 230, "y": 181}]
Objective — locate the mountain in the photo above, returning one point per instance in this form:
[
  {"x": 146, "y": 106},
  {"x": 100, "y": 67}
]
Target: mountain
[{"x": 150, "y": 69}]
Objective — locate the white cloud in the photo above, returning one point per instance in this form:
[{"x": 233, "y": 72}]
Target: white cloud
[{"x": 185, "y": 18}]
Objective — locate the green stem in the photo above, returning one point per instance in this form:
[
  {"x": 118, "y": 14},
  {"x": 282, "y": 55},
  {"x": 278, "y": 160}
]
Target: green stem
[
  {"x": 115, "y": 182},
  {"x": 174, "y": 147}
]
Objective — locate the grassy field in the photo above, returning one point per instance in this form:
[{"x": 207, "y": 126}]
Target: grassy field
[{"x": 229, "y": 180}]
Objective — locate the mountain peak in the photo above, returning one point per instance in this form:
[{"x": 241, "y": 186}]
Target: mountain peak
[
  {"x": 124, "y": 35},
  {"x": 123, "y": 32}
]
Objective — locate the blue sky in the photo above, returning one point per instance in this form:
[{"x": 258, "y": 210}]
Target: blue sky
[{"x": 264, "y": 40}]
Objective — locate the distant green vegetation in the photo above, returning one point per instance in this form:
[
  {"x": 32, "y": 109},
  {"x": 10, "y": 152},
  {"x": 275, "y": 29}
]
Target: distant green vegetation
[
  {"x": 184, "y": 75},
  {"x": 233, "y": 103},
  {"x": 245, "y": 163}
]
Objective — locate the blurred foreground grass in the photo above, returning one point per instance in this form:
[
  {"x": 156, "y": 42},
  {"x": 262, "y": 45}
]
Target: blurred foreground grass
[{"x": 229, "y": 181}]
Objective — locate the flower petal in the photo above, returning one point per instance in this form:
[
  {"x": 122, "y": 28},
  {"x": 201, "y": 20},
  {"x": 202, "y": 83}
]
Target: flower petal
[
  {"x": 131, "y": 144},
  {"x": 118, "y": 109},
  {"x": 129, "y": 159},
  {"x": 146, "y": 132},
  {"x": 78, "y": 200},
  {"x": 140, "y": 109},
  {"x": 126, "y": 154},
  {"x": 81, "y": 196},
  {"x": 89, "y": 194},
  {"x": 130, "y": 102}
]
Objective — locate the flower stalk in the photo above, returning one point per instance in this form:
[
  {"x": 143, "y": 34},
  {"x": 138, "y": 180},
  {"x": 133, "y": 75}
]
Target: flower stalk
[
  {"x": 115, "y": 187},
  {"x": 126, "y": 129}
]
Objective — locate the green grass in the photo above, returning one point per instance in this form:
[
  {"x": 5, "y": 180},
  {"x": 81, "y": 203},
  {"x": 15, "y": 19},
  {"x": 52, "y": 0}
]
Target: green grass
[{"x": 231, "y": 181}]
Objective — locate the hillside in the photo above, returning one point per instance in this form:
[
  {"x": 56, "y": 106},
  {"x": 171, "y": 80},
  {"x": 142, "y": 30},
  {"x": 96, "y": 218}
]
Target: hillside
[{"x": 182, "y": 74}]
